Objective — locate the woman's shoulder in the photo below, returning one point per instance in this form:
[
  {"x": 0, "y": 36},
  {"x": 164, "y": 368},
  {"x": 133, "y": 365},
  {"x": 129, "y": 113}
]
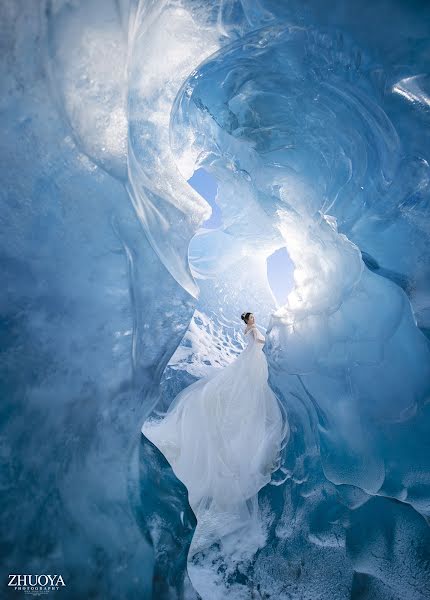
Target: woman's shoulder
[{"x": 249, "y": 328}]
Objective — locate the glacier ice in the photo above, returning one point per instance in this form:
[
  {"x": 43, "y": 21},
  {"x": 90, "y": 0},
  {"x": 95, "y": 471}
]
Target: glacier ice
[{"x": 314, "y": 124}]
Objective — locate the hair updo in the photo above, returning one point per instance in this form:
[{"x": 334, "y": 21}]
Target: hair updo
[{"x": 245, "y": 316}]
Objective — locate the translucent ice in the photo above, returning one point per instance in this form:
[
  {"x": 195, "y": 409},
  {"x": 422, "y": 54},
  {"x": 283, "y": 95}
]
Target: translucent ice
[{"x": 314, "y": 124}]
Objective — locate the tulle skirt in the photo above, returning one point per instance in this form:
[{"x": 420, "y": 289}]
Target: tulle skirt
[{"x": 223, "y": 434}]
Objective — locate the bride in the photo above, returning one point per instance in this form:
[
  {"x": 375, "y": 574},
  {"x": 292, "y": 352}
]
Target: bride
[{"x": 223, "y": 434}]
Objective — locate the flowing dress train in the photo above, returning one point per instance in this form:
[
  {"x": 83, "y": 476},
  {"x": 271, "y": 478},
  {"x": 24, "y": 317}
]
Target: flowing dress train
[{"x": 223, "y": 434}]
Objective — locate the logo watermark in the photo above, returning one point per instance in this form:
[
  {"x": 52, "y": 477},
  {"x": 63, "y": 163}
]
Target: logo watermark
[{"x": 36, "y": 584}]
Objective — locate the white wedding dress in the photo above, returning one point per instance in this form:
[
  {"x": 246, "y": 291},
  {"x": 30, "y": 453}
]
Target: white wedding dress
[{"x": 223, "y": 434}]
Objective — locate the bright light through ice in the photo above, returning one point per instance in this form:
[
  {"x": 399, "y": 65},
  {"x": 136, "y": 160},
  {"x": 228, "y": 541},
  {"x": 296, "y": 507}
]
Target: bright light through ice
[
  {"x": 206, "y": 186},
  {"x": 280, "y": 271},
  {"x": 280, "y": 268}
]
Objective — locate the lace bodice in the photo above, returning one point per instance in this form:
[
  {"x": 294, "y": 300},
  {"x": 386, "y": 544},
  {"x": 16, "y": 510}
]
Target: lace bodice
[{"x": 254, "y": 334}]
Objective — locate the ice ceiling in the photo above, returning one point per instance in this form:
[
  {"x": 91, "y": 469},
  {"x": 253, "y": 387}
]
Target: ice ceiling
[{"x": 314, "y": 121}]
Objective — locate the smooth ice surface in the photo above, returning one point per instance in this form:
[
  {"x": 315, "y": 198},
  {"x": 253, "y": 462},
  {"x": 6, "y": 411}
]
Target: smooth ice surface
[{"x": 120, "y": 288}]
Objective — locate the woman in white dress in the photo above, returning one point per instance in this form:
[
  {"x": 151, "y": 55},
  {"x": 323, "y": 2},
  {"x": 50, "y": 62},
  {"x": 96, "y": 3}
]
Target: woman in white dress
[{"x": 223, "y": 434}]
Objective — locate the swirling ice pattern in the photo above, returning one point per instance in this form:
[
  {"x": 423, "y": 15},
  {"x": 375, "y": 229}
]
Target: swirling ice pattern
[
  {"x": 314, "y": 122},
  {"x": 297, "y": 115}
]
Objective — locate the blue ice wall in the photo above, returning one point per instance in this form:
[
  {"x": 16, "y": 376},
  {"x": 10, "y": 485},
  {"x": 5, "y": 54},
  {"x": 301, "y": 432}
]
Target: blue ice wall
[{"x": 314, "y": 122}]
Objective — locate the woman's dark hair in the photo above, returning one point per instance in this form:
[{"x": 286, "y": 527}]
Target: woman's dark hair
[{"x": 245, "y": 317}]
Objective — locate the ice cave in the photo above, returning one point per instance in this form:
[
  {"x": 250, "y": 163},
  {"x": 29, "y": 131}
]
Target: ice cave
[{"x": 167, "y": 164}]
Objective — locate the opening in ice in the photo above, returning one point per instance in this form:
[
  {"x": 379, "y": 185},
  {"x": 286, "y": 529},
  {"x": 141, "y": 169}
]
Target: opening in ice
[
  {"x": 205, "y": 184},
  {"x": 280, "y": 271}
]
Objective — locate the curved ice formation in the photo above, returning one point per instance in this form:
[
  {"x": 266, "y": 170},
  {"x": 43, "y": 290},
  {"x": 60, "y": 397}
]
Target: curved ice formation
[{"x": 314, "y": 123}]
